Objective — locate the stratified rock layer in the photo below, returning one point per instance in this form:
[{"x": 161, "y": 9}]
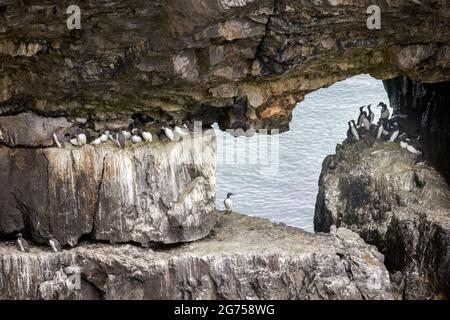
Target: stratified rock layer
[
  {"x": 241, "y": 63},
  {"x": 162, "y": 192},
  {"x": 244, "y": 258},
  {"x": 403, "y": 207}
]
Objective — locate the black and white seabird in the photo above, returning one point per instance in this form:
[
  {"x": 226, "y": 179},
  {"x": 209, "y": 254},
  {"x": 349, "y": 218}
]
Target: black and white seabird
[
  {"x": 382, "y": 128},
  {"x": 56, "y": 246},
  {"x": 136, "y": 139},
  {"x": 385, "y": 113},
  {"x": 22, "y": 243},
  {"x": 104, "y": 136},
  {"x": 395, "y": 132},
  {"x": 352, "y": 132},
  {"x": 371, "y": 115},
  {"x": 58, "y": 143},
  {"x": 228, "y": 203},
  {"x": 81, "y": 139},
  {"x": 362, "y": 115},
  {"x": 169, "y": 133},
  {"x": 120, "y": 139},
  {"x": 411, "y": 145},
  {"x": 181, "y": 132},
  {"x": 127, "y": 134},
  {"x": 363, "y": 119},
  {"x": 147, "y": 136}
]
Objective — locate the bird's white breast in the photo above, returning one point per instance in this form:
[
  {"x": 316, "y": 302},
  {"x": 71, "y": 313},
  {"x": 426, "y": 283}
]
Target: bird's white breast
[
  {"x": 147, "y": 136},
  {"x": 20, "y": 245},
  {"x": 52, "y": 244},
  {"x": 228, "y": 204}
]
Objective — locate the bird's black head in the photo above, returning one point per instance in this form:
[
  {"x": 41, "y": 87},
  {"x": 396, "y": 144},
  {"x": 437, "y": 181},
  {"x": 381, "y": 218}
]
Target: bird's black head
[
  {"x": 361, "y": 108},
  {"x": 230, "y": 194},
  {"x": 369, "y": 106},
  {"x": 19, "y": 235}
]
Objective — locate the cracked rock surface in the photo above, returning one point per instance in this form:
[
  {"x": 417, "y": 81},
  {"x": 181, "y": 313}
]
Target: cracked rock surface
[{"x": 243, "y": 258}]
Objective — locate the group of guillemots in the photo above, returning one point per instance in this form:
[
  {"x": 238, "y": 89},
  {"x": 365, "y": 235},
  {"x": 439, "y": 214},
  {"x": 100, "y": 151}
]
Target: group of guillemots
[
  {"x": 133, "y": 133},
  {"x": 389, "y": 128}
]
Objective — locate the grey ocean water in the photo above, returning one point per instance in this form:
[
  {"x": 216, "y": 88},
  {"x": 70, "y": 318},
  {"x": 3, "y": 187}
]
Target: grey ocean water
[{"x": 319, "y": 123}]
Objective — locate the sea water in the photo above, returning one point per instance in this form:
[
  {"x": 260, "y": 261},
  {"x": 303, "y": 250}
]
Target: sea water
[{"x": 288, "y": 193}]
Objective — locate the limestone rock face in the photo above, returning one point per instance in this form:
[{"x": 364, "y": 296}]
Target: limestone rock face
[
  {"x": 173, "y": 58},
  {"x": 244, "y": 258},
  {"x": 163, "y": 192},
  {"x": 396, "y": 203}
]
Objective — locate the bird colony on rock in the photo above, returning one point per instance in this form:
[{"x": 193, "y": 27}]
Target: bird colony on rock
[{"x": 388, "y": 128}]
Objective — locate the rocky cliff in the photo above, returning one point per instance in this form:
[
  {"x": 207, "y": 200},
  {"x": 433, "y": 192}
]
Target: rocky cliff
[
  {"x": 159, "y": 192},
  {"x": 242, "y": 63},
  {"x": 426, "y": 105},
  {"x": 395, "y": 202},
  {"x": 244, "y": 258}
]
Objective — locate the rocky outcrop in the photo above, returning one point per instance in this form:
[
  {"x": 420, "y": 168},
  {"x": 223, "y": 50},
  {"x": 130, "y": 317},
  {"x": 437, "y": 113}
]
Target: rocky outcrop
[
  {"x": 426, "y": 105},
  {"x": 244, "y": 258},
  {"x": 242, "y": 63},
  {"x": 394, "y": 202},
  {"x": 159, "y": 192}
]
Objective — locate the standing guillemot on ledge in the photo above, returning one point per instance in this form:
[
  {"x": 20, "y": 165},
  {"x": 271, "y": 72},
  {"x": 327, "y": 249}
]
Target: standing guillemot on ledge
[
  {"x": 56, "y": 246},
  {"x": 352, "y": 132},
  {"x": 22, "y": 243},
  {"x": 385, "y": 113},
  {"x": 228, "y": 203}
]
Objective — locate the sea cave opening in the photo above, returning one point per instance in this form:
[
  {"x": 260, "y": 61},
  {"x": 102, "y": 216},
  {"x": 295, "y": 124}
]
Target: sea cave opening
[{"x": 286, "y": 191}]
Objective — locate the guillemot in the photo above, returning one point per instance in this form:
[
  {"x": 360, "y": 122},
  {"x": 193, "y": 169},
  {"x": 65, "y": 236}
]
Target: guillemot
[
  {"x": 362, "y": 115},
  {"x": 385, "y": 113},
  {"x": 395, "y": 132},
  {"x": 411, "y": 145},
  {"x": 136, "y": 139},
  {"x": 169, "y": 133},
  {"x": 104, "y": 136},
  {"x": 147, "y": 136},
  {"x": 371, "y": 115},
  {"x": 56, "y": 140},
  {"x": 56, "y": 246},
  {"x": 228, "y": 203},
  {"x": 382, "y": 128},
  {"x": 181, "y": 132},
  {"x": 96, "y": 142},
  {"x": 81, "y": 138},
  {"x": 352, "y": 132},
  {"x": 22, "y": 243}
]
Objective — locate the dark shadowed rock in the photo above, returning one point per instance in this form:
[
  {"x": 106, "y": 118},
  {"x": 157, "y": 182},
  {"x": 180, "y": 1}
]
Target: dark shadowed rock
[
  {"x": 244, "y": 258},
  {"x": 426, "y": 105},
  {"x": 161, "y": 192},
  {"x": 403, "y": 207}
]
